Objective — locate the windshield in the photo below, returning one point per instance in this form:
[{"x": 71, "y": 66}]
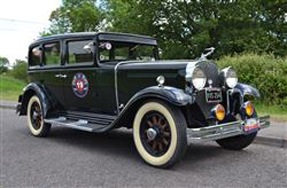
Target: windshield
[{"x": 111, "y": 51}]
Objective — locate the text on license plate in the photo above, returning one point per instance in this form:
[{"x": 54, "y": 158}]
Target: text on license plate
[{"x": 213, "y": 95}]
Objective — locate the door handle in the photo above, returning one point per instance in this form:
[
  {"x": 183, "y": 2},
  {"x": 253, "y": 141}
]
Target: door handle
[{"x": 61, "y": 76}]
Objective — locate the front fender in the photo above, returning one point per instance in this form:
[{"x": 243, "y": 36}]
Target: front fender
[
  {"x": 30, "y": 90},
  {"x": 172, "y": 95},
  {"x": 244, "y": 89}
]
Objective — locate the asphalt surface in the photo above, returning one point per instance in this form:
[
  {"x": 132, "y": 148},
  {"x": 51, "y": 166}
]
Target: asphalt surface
[{"x": 70, "y": 158}]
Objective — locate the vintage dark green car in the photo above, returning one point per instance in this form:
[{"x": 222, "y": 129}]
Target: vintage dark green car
[{"x": 101, "y": 81}]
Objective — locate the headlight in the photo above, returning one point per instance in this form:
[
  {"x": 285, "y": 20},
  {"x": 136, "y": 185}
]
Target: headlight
[
  {"x": 218, "y": 112},
  {"x": 228, "y": 77},
  {"x": 198, "y": 78},
  {"x": 249, "y": 108}
]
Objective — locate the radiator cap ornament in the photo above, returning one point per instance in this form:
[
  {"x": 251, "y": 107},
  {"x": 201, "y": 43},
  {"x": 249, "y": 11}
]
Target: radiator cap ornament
[{"x": 209, "y": 52}]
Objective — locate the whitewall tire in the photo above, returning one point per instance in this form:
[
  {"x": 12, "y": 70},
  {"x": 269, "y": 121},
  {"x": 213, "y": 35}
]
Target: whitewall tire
[
  {"x": 159, "y": 132},
  {"x": 35, "y": 118}
]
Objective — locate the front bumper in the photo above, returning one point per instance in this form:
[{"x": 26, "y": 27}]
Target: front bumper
[{"x": 216, "y": 132}]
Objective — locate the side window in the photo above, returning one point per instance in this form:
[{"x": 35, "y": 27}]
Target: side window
[
  {"x": 121, "y": 53},
  {"x": 35, "y": 56},
  {"x": 52, "y": 53},
  {"x": 80, "y": 52},
  {"x": 113, "y": 51}
]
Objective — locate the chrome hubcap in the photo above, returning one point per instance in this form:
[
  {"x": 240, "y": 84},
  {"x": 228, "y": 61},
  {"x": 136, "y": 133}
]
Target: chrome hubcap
[{"x": 151, "y": 134}]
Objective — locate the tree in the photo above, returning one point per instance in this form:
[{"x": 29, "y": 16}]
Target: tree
[
  {"x": 184, "y": 28},
  {"x": 4, "y": 63},
  {"x": 274, "y": 21},
  {"x": 74, "y": 16}
]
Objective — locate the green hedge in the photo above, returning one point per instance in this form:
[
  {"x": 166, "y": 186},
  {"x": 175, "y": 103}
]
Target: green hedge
[{"x": 266, "y": 72}]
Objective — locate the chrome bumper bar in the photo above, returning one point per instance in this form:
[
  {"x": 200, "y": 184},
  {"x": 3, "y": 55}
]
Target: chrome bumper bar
[{"x": 216, "y": 132}]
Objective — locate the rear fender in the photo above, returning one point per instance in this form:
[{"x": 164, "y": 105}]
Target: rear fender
[{"x": 30, "y": 90}]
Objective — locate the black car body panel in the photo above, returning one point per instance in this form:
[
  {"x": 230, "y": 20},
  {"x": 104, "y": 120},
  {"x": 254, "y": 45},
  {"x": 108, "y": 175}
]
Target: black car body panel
[{"x": 143, "y": 75}]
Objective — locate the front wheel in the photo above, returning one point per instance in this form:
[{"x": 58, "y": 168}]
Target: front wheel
[
  {"x": 237, "y": 142},
  {"x": 159, "y": 132},
  {"x": 35, "y": 118}
]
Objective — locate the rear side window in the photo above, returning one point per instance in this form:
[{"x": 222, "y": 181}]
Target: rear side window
[
  {"x": 52, "y": 53},
  {"x": 35, "y": 56},
  {"x": 80, "y": 52}
]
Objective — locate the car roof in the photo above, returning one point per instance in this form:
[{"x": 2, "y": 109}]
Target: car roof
[{"x": 124, "y": 37}]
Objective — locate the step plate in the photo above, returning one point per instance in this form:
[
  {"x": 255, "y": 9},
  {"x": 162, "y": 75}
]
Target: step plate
[{"x": 80, "y": 124}]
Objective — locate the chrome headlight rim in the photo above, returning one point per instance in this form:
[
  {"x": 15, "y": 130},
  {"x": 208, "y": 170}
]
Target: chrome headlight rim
[{"x": 198, "y": 78}]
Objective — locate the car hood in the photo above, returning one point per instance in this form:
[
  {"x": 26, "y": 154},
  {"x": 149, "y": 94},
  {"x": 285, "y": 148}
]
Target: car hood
[
  {"x": 183, "y": 67},
  {"x": 163, "y": 64}
]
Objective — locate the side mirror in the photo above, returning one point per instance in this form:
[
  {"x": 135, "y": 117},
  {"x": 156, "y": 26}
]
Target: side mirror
[
  {"x": 88, "y": 48},
  {"x": 160, "y": 52}
]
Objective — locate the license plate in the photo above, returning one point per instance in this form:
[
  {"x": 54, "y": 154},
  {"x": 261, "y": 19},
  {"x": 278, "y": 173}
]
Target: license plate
[
  {"x": 251, "y": 125},
  {"x": 213, "y": 95}
]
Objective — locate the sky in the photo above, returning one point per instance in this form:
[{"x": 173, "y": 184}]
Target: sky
[{"x": 21, "y": 21}]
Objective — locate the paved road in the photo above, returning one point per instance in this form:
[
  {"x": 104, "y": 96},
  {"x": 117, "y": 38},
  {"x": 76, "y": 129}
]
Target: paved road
[{"x": 69, "y": 158}]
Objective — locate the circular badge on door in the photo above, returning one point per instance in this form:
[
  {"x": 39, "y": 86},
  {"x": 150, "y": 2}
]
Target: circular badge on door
[{"x": 80, "y": 85}]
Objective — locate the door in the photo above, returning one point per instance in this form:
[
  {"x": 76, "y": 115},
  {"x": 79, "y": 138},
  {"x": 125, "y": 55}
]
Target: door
[
  {"x": 81, "y": 86},
  {"x": 53, "y": 74}
]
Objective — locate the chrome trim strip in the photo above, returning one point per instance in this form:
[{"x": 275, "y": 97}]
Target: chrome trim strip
[
  {"x": 264, "y": 122},
  {"x": 228, "y": 92},
  {"x": 116, "y": 82}
]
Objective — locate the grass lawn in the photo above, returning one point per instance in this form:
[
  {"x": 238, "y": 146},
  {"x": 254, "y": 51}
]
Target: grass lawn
[
  {"x": 277, "y": 113},
  {"x": 10, "y": 88}
]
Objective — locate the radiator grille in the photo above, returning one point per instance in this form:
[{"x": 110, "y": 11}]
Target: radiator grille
[{"x": 211, "y": 71}]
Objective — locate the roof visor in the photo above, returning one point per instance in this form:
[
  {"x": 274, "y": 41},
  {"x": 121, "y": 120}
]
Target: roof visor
[{"x": 130, "y": 38}]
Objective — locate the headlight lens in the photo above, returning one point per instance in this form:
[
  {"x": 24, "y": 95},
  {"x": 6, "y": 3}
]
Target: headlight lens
[
  {"x": 198, "y": 79},
  {"x": 229, "y": 77}
]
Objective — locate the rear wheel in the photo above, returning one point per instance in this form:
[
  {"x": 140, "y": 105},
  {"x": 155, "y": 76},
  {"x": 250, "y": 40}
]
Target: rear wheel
[
  {"x": 159, "y": 132},
  {"x": 35, "y": 118}
]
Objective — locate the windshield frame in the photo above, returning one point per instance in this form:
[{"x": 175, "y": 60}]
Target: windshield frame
[
  {"x": 124, "y": 39},
  {"x": 153, "y": 53}
]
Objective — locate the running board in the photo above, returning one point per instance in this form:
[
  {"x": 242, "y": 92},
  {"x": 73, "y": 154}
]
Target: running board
[{"x": 80, "y": 124}]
